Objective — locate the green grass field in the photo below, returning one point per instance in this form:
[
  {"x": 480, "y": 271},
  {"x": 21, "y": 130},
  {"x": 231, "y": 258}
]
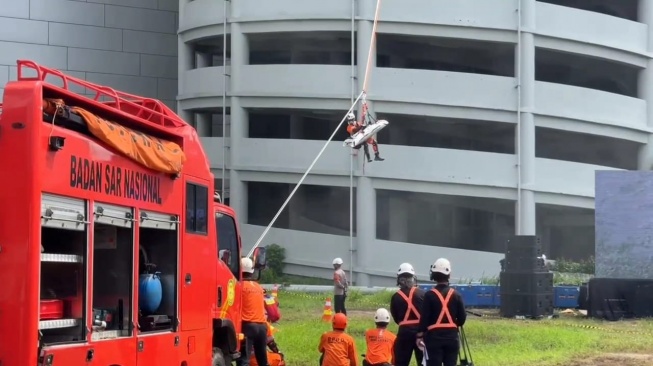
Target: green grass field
[{"x": 568, "y": 340}]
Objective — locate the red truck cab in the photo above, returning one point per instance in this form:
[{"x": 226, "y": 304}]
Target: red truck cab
[{"x": 113, "y": 251}]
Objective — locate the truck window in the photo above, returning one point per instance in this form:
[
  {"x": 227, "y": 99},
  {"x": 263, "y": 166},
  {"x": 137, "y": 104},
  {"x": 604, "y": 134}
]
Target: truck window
[
  {"x": 228, "y": 241},
  {"x": 197, "y": 204}
]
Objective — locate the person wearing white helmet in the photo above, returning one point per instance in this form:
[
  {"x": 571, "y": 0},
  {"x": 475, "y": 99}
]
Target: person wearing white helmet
[
  {"x": 442, "y": 312},
  {"x": 340, "y": 286},
  {"x": 352, "y": 127},
  {"x": 379, "y": 341},
  {"x": 405, "y": 307},
  {"x": 253, "y": 316}
]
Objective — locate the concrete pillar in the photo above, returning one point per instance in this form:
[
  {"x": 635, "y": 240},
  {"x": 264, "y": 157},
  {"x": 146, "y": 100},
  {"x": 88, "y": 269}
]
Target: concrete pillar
[
  {"x": 185, "y": 63},
  {"x": 398, "y": 225},
  {"x": 203, "y": 124},
  {"x": 296, "y": 127},
  {"x": 525, "y": 213},
  {"x": 203, "y": 60},
  {"x": 363, "y": 39},
  {"x": 365, "y": 229},
  {"x": 238, "y": 198},
  {"x": 239, "y": 117},
  {"x": 645, "y": 85}
]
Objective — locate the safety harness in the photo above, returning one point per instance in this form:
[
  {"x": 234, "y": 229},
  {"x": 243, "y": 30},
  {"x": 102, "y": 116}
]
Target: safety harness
[
  {"x": 410, "y": 310},
  {"x": 450, "y": 324}
]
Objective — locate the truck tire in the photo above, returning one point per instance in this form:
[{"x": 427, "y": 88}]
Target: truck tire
[{"x": 219, "y": 358}]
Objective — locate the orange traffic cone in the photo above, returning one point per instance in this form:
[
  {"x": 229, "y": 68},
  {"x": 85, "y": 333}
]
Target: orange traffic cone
[
  {"x": 275, "y": 291},
  {"x": 327, "y": 315}
]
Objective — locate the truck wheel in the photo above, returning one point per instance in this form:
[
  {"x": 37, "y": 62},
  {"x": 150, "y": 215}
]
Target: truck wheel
[{"x": 219, "y": 358}]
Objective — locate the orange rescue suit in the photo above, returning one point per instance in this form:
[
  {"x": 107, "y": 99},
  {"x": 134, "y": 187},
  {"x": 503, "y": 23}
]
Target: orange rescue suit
[
  {"x": 352, "y": 129},
  {"x": 379, "y": 346},
  {"x": 253, "y": 302},
  {"x": 339, "y": 349},
  {"x": 274, "y": 359}
]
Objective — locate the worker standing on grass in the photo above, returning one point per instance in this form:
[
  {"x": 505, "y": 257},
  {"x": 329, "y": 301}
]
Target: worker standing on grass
[
  {"x": 337, "y": 347},
  {"x": 405, "y": 308},
  {"x": 255, "y": 327},
  {"x": 379, "y": 341},
  {"x": 340, "y": 286},
  {"x": 442, "y": 312}
]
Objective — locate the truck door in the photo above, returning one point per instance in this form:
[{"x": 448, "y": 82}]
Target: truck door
[
  {"x": 196, "y": 262},
  {"x": 229, "y": 273}
]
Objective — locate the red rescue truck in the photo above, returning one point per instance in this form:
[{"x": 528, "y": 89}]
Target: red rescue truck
[{"x": 113, "y": 250}]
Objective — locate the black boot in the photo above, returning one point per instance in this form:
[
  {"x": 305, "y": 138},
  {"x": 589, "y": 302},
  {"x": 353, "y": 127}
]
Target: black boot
[
  {"x": 367, "y": 153},
  {"x": 377, "y": 157}
]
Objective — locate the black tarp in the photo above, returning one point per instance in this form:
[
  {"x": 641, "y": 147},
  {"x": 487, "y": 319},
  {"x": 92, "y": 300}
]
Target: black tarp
[{"x": 614, "y": 299}]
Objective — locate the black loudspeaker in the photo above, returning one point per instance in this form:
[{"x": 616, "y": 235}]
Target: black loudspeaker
[
  {"x": 523, "y": 255},
  {"x": 527, "y": 294},
  {"x": 526, "y": 282},
  {"x": 526, "y": 305}
]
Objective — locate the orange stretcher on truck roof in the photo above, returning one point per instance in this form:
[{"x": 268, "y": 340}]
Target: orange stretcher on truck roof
[{"x": 113, "y": 250}]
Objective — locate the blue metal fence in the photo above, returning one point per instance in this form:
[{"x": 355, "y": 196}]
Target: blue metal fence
[{"x": 488, "y": 296}]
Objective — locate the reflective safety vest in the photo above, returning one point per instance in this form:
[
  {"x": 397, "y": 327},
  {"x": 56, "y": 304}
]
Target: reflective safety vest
[
  {"x": 410, "y": 309},
  {"x": 450, "y": 324}
]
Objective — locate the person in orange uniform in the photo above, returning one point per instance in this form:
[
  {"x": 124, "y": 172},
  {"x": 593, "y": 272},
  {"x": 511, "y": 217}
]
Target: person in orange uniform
[
  {"x": 275, "y": 358},
  {"x": 352, "y": 128},
  {"x": 379, "y": 341},
  {"x": 255, "y": 326},
  {"x": 337, "y": 347},
  {"x": 442, "y": 313}
]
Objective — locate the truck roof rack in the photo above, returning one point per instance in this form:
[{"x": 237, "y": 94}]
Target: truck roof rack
[{"x": 150, "y": 110}]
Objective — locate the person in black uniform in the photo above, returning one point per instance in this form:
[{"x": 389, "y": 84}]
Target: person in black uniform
[
  {"x": 404, "y": 307},
  {"x": 442, "y": 312}
]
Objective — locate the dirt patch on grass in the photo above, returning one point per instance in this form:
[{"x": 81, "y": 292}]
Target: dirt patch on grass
[{"x": 621, "y": 359}]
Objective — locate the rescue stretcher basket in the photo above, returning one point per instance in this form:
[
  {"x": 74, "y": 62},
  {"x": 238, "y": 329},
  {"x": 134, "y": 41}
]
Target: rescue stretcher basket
[{"x": 361, "y": 137}]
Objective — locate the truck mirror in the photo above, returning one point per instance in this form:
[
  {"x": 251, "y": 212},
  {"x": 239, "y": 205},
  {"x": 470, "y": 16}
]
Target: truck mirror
[
  {"x": 225, "y": 256},
  {"x": 259, "y": 258}
]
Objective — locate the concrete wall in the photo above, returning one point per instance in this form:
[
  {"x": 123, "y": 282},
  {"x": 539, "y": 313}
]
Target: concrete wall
[
  {"x": 129, "y": 45},
  {"x": 419, "y": 93}
]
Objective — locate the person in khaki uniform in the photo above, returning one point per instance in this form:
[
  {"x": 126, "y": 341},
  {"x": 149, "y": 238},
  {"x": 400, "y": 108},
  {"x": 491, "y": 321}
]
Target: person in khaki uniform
[{"x": 340, "y": 286}]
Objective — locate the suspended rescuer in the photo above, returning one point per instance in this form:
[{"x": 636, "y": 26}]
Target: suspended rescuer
[
  {"x": 442, "y": 312},
  {"x": 379, "y": 341},
  {"x": 352, "y": 127},
  {"x": 255, "y": 327},
  {"x": 405, "y": 307},
  {"x": 337, "y": 347},
  {"x": 340, "y": 286}
]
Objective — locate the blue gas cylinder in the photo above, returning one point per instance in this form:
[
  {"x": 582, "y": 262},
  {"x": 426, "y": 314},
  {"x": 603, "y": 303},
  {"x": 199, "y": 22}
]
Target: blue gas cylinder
[{"x": 150, "y": 292}]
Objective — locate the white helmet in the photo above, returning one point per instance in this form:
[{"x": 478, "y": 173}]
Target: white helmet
[
  {"x": 351, "y": 118},
  {"x": 382, "y": 316},
  {"x": 337, "y": 261},
  {"x": 247, "y": 265},
  {"x": 406, "y": 268},
  {"x": 442, "y": 265}
]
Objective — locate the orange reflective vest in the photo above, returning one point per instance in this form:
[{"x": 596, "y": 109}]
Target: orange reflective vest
[
  {"x": 439, "y": 324},
  {"x": 411, "y": 309}
]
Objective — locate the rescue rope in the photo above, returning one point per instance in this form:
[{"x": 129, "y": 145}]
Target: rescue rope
[
  {"x": 319, "y": 155},
  {"x": 372, "y": 42}
]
